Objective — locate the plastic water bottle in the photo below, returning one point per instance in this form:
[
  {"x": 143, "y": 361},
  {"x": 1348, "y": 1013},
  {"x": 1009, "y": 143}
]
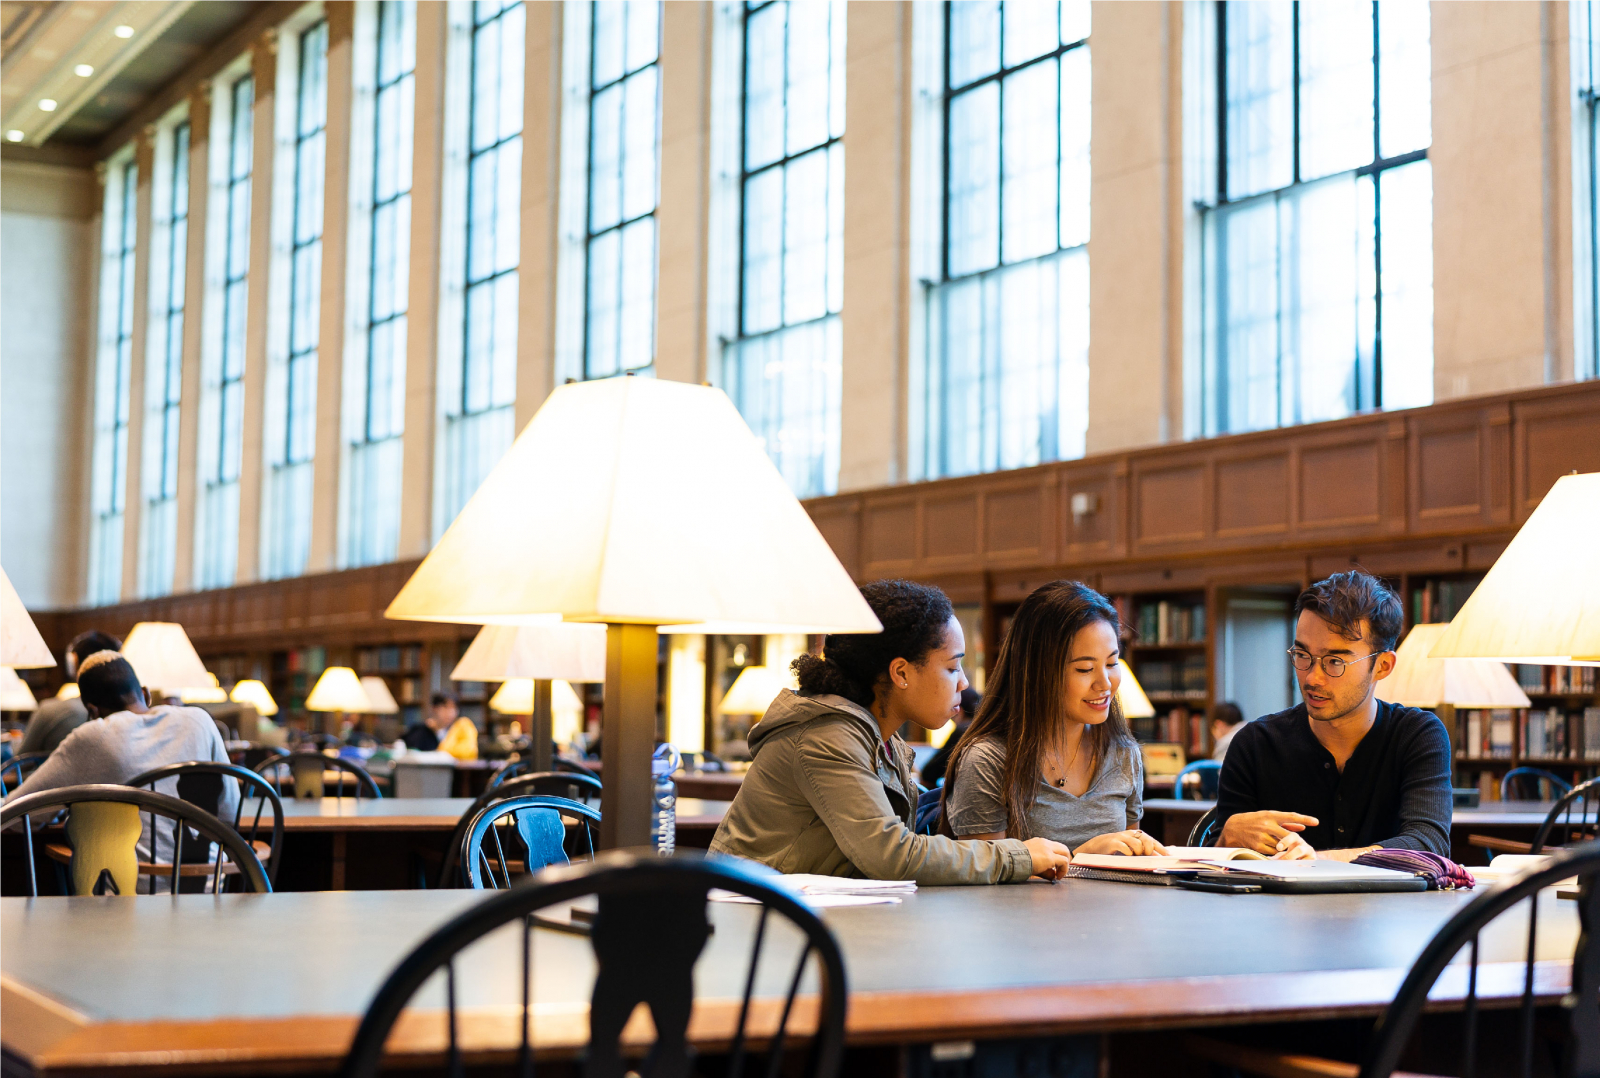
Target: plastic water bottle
[{"x": 664, "y": 820}]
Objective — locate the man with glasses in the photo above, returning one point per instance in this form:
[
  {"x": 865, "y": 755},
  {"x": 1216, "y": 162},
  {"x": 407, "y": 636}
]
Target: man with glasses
[{"x": 1342, "y": 772}]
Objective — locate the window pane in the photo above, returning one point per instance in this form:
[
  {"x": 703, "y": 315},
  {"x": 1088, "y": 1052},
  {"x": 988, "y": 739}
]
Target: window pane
[
  {"x": 605, "y": 159},
  {"x": 1028, "y": 154},
  {"x": 974, "y": 40},
  {"x": 1405, "y": 61},
  {"x": 763, "y": 250},
  {"x": 1074, "y": 20},
  {"x": 1318, "y": 228},
  {"x": 644, "y": 33},
  {"x": 805, "y": 239},
  {"x": 764, "y": 100},
  {"x": 607, "y": 58},
  {"x": 808, "y": 75},
  {"x": 639, "y": 145},
  {"x": 605, "y": 304},
  {"x": 1249, "y": 266},
  {"x": 638, "y": 294},
  {"x": 1260, "y": 102},
  {"x": 1407, "y": 223},
  {"x": 1075, "y": 113},
  {"x": 974, "y": 167},
  {"x": 1335, "y": 87},
  {"x": 1031, "y": 28}
]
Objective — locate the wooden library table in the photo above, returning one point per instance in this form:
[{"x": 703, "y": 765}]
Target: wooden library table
[
  {"x": 1171, "y": 821},
  {"x": 366, "y": 844},
  {"x": 140, "y": 984}
]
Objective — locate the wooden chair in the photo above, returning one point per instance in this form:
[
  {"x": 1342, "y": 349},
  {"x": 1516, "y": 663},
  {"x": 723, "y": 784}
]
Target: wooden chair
[
  {"x": 1392, "y": 1034},
  {"x": 1206, "y": 773},
  {"x": 540, "y": 824},
  {"x": 103, "y": 830},
  {"x": 647, "y": 934},
  {"x": 520, "y": 786},
  {"x": 200, "y": 783},
  {"x": 1532, "y": 784},
  {"x": 1559, "y": 828},
  {"x": 309, "y": 771},
  {"x": 11, "y": 772},
  {"x": 564, "y": 763}
]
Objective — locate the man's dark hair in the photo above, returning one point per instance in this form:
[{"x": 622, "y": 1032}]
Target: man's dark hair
[
  {"x": 1227, "y": 713},
  {"x": 914, "y": 618},
  {"x": 1345, "y": 600},
  {"x": 86, "y": 644},
  {"x": 439, "y": 699},
  {"x": 106, "y": 680}
]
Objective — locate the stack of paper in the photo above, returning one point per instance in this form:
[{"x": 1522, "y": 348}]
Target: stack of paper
[{"x": 826, "y": 892}]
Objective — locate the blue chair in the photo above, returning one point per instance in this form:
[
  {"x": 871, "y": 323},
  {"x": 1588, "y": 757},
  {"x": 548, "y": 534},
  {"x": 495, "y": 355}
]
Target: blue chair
[
  {"x": 1206, "y": 830},
  {"x": 12, "y": 774},
  {"x": 1529, "y": 784},
  {"x": 540, "y": 825},
  {"x": 1207, "y": 770}
]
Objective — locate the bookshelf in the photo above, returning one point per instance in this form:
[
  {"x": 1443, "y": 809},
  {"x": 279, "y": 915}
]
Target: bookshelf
[
  {"x": 1559, "y": 733},
  {"x": 402, "y": 667},
  {"x": 294, "y": 672},
  {"x": 1169, "y": 651}
]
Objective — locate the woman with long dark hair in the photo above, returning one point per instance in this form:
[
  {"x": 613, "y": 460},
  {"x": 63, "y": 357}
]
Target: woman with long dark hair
[
  {"x": 1050, "y": 754},
  {"x": 832, "y": 789}
]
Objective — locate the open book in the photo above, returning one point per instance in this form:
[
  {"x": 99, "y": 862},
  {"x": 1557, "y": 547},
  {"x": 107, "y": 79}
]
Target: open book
[{"x": 1178, "y": 859}]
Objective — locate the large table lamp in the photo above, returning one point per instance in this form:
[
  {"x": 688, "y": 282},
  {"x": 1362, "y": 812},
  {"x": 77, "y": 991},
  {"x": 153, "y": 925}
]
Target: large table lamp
[
  {"x": 1540, "y": 601},
  {"x": 610, "y": 508},
  {"x": 160, "y": 653},
  {"x": 21, "y": 646},
  {"x": 753, "y": 691},
  {"x": 253, "y": 693},
  {"x": 543, "y": 655},
  {"x": 1442, "y": 685}
]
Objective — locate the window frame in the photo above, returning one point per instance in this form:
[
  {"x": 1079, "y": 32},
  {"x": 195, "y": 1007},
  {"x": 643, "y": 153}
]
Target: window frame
[
  {"x": 220, "y": 474},
  {"x": 294, "y": 360}
]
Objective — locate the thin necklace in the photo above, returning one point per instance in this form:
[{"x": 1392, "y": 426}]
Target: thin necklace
[{"x": 1061, "y": 783}]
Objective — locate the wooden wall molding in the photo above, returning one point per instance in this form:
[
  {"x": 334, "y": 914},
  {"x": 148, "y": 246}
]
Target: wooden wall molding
[{"x": 1429, "y": 488}]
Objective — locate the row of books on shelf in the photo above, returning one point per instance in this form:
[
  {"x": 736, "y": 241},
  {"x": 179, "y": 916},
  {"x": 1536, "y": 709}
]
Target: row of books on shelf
[
  {"x": 1440, "y": 600},
  {"x": 308, "y": 660},
  {"x": 1556, "y": 679},
  {"x": 1161, "y": 677},
  {"x": 1179, "y": 725},
  {"x": 1172, "y": 623},
  {"x": 389, "y": 659},
  {"x": 1542, "y": 734}
]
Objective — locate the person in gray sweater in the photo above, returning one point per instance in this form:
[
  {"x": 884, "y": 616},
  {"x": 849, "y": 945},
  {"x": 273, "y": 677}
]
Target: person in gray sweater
[
  {"x": 129, "y": 739},
  {"x": 57, "y": 717}
]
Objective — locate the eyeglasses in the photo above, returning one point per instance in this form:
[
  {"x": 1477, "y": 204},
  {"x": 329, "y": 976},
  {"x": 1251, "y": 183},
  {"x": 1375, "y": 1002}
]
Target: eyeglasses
[{"x": 1332, "y": 665}]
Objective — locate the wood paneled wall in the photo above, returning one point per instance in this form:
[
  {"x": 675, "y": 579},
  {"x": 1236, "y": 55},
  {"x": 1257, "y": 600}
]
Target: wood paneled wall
[{"x": 1429, "y": 490}]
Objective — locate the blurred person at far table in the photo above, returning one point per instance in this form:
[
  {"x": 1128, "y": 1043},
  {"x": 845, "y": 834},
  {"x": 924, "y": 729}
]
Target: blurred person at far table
[
  {"x": 57, "y": 717},
  {"x": 1226, "y": 720}
]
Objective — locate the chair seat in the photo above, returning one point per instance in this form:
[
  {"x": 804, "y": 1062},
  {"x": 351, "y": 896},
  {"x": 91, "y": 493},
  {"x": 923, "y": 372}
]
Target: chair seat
[{"x": 63, "y": 853}]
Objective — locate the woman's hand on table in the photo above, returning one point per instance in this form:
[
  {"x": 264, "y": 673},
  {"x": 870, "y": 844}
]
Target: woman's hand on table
[{"x": 1135, "y": 843}]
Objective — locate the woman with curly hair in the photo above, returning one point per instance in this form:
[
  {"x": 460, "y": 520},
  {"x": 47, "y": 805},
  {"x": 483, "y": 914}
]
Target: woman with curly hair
[
  {"x": 1049, "y": 753},
  {"x": 831, "y": 788}
]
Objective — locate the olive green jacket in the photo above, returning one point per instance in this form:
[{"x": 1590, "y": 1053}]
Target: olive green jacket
[{"x": 823, "y": 797}]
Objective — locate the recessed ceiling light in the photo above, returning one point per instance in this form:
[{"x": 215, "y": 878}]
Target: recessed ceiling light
[
  {"x": 13, "y": 135},
  {"x": 123, "y": 31},
  {"x": 83, "y": 71},
  {"x": 47, "y": 104}
]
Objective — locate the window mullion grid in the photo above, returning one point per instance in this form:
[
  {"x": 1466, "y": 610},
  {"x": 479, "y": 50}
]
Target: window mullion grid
[
  {"x": 176, "y": 255},
  {"x": 374, "y": 323},
  {"x": 1377, "y": 227},
  {"x": 494, "y": 224},
  {"x": 123, "y": 370}
]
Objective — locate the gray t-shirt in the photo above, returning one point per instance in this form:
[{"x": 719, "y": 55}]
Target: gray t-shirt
[{"x": 1113, "y": 802}]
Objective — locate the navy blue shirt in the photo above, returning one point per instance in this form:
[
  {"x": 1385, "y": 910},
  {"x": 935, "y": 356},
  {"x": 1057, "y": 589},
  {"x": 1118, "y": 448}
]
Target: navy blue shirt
[{"x": 1394, "y": 790}]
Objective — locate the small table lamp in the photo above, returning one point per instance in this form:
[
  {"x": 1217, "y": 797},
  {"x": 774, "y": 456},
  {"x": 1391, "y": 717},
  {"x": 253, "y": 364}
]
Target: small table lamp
[
  {"x": 254, "y": 694},
  {"x": 1130, "y": 694},
  {"x": 165, "y": 661},
  {"x": 14, "y": 692},
  {"x": 378, "y": 693},
  {"x": 21, "y": 646},
  {"x": 542, "y": 655},
  {"x": 339, "y": 690},
  {"x": 1442, "y": 685},
  {"x": 753, "y": 691},
  {"x": 605, "y": 510},
  {"x": 1540, "y": 601},
  {"x": 211, "y": 694}
]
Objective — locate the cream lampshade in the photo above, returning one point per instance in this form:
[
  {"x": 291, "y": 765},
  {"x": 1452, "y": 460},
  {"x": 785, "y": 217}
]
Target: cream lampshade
[
  {"x": 162, "y": 656},
  {"x": 569, "y": 652},
  {"x": 21, "y": 646},
  {"x": 1130, "y": 694},
  {"x": 1540, "y": 601},
  {"x": 753, "y": 691},
  {"x": 377, "y": 691},
  {"x": 14, "y": 692},
  {"x": 338, "y": 689},
  {"x": 605, "y": 510},
  {"x": 212, "y": 694},
  {"x": 1421, "y": 681},
  {"x": 252, "y": 692},
  {"x": 542, "y": 656},
  {"x": 68, "y": 691}
]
